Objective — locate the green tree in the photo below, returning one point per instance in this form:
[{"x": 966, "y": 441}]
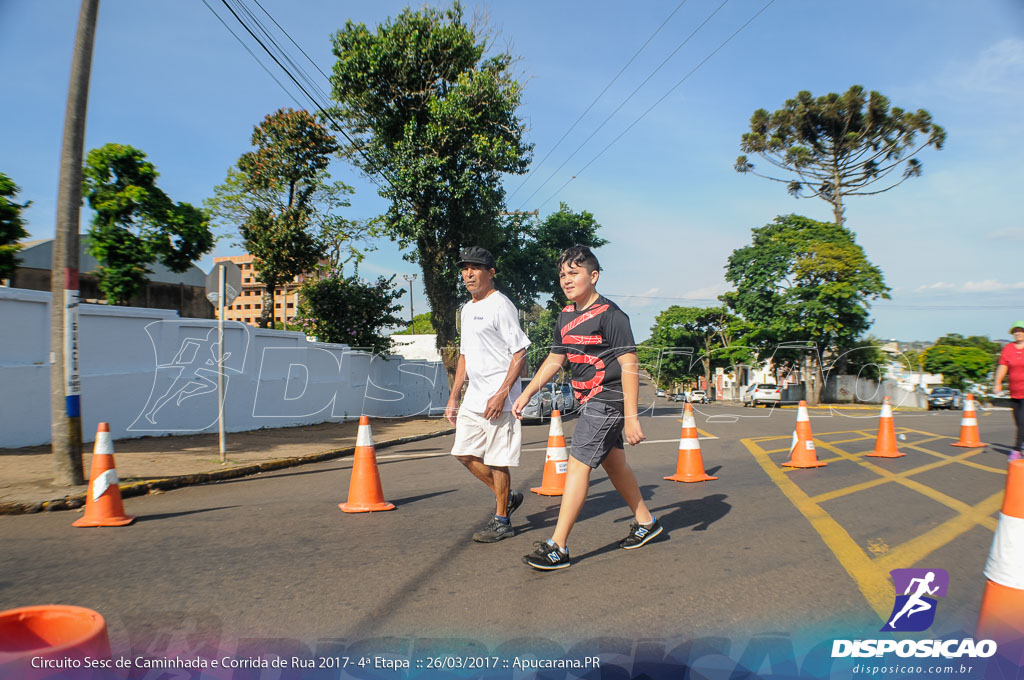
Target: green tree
[
  {"x": 694, "y": 341},
  {"x": 977, "y": 341},
  {"x": 839, "y": 145},
  {"x": 528, "y": 254},
  {"x": 350, "y": 311},
  {"x": 958, "y": 365},
  {"x": 434, "y": 116},
  {"x": 421, "y": 325},
  {"x": 12, "y": 227},
  {"x": 803, "y": 281},
  {"x": 135, "y": 223},
  {"x": 279, "y": 191}
]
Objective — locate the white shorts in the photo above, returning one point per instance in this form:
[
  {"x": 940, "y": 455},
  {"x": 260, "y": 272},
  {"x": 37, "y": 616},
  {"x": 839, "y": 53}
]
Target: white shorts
[{"x": 496, "y": 441}]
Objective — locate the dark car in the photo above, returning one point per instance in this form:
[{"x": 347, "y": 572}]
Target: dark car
[
  {"x": 679, "y": 396},
  {"x": 945, "y": 397}
]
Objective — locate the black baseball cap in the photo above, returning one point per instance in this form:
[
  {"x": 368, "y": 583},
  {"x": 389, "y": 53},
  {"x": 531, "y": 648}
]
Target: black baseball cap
[{"x": 477, "y": 255}]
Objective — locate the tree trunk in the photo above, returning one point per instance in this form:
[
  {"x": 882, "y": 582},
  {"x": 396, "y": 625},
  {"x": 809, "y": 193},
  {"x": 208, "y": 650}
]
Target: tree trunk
[
  {"x": 267, "y": 317},
  {"x": 443, "y": 296}
]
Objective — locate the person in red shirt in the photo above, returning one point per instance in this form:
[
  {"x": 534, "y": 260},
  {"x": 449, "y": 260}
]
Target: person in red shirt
[{"x": 1011, "y": 364}]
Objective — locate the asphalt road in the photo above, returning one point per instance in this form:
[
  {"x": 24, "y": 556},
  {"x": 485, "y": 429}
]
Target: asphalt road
[{"x": 757, "y": 551}]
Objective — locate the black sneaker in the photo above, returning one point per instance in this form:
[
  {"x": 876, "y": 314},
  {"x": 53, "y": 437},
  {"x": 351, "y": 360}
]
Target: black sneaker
[
  {"x": 494, "y": 531},
  {"x": 640, "y": 534},
  {"x": 547, "y": 557},
  {"x": 515, "y": 499}
]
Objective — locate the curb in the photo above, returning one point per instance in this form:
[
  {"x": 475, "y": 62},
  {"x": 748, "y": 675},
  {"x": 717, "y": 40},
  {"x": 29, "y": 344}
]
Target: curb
[{"x": 144, "y": 487}]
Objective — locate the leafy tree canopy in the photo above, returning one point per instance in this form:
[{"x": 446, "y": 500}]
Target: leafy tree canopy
[
  {"x": 434, "y": 116},
  {"x": 528, "y": 253},
  {"x": 689, "y": 341},
  {"x": 12, "y": 227},
  {"x": 958, "y": 365},
  {"x": 978, "y": 341},
  {"x": 839, "y": 145},
  {"x": 135, "y": 223},
  {"x": 420, "y": 325},
  {"x": 803, "y": 282},
  {"x": 350, "y": 311},
  {"x": 281, "y": 200}
]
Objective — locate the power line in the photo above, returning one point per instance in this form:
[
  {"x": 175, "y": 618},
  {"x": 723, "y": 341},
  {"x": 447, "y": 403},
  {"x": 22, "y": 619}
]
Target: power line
[
  {"x": 670, "y": 91},
  {"x": 587, "y": 110},
  {"x": 371, "y": 166},
  {"x": 626, "y": 100},
  {"x": 252, "y": 54}
]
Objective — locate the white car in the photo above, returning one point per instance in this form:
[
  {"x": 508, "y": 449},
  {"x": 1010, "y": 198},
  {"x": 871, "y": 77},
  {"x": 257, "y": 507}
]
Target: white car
[
  {"x": 698, "y": 397},
  {"x": 661, "y": 393},
  {"x": 761, "y": 393}
]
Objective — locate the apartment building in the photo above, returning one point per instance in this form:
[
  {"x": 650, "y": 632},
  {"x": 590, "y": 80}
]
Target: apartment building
[{"x": 248, "y": 306}]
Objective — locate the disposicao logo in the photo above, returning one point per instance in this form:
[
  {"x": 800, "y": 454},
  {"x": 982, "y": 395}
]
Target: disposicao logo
[{"x": 914, "y": 610}]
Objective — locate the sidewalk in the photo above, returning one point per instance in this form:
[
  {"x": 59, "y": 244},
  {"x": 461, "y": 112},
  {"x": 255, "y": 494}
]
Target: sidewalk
[{"x": 156, "y": 464}]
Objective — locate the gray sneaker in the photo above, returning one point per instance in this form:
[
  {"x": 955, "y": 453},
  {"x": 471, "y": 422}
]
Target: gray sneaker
[{"x": 494, "y": 532}]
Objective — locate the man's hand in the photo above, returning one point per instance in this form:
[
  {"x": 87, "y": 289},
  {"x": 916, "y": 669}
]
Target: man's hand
[
  {"x": 451, "y": 411},
  {"x": 495, "y": 405},
  {"x": 634, "y": 435}
]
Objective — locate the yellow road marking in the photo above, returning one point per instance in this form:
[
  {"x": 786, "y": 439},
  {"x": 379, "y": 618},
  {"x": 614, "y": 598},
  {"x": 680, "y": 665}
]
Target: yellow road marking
[
  {"x": 871, "y": 575},
  {"x": 873, "y": 584}
]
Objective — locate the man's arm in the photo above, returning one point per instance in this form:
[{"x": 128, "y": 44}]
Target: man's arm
[
  {"x": 496, "y": 404},
  {"x": 552, "y": 365},
  {"x": 452, "y": 409},
  {"x": 631, "y": 397}
]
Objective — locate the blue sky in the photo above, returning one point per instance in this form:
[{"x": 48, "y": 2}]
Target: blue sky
[{"x": 169, "y": 79}]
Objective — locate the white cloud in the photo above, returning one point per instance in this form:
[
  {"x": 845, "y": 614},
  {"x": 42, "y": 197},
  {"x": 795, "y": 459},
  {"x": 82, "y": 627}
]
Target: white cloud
[
  {"x": 986, "y": 286},
  {"x": 1009, "y": 234},
  {"x": 999, "y": 69}
]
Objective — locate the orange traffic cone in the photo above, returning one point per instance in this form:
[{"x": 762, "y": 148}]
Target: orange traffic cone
[
  {"x": 969, "y": 425},
  {"x": 885, "y": 443},
  {"x": 802, "y": 454},
  {"x": 1002, "y": 606},
  {"x": 556, "y": 461},
  {"x": 364, "y": 490},
  {"x": 690, "y": 464},
  {"x": 35, "y": 640},
  {"x": 103, "y": 506}
]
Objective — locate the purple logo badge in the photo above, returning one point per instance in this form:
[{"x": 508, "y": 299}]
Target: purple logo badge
[{"x": 914, "y": 609}]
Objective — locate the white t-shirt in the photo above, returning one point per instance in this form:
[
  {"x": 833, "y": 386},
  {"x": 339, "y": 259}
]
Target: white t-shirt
[{"x": 490, "y": 336}]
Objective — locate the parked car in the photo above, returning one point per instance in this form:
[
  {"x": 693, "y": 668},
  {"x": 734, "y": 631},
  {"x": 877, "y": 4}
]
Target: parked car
[
  {"x": 945, "y": 397},
  {"x": 541, "y": 404},
  {"x": 699, "y": 397},
  {"x": 761, "y": 393},
  {"x": 565, "y": 399},
  {"x": 679, "y": 396},
  {"x": 661, "y": 393}
]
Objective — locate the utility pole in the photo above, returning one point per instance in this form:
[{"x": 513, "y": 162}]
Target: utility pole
[
  {"x": 65, "y": 386},
  {"x": 412, "y": 316}
]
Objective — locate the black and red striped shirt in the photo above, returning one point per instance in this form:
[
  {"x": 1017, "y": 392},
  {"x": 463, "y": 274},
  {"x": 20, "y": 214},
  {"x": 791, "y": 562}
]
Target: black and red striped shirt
[{"x": 593, "y": 339}]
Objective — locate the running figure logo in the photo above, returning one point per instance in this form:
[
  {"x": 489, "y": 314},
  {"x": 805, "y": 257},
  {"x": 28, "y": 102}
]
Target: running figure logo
[{"x": 914, "y": 610}]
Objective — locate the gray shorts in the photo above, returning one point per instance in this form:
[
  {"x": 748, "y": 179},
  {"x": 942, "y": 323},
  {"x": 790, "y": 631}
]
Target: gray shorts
[{"x": 598, "y": 431}]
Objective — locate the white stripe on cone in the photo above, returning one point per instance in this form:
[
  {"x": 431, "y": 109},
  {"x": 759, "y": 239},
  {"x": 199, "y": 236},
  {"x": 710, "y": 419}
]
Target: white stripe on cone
[
  {"x": 556, "y": 453},
  {"x": 1005, "y": 560},
  {"x": 886, "y": 410},
  {"x": 104, "y": 482},
  {"x": 801, "y": 415},
  {"x": 104, "y": 444},
  {"x": 969, "y": 421},
  {"x": 364, "y": 437},
  {"x": 688, "y": 420},
  {"x": 556, "y": 427},
  {"x": 689, "y": 444}
]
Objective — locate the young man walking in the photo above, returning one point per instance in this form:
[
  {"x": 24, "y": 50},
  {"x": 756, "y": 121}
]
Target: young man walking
[
  {"x": 491, "y": 355},
  {"x": 595, "y": 336}
]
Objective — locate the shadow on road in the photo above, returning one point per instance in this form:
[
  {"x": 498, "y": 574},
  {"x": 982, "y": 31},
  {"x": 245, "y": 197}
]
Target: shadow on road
[
  {"x": 412, "y": 499},
  {"x": 168, "y": 515},
  {"x": 699, "y": 513}
]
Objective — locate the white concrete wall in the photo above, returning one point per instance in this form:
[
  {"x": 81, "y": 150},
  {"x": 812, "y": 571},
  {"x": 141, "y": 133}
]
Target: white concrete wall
[{"x": 149, "y": 372}]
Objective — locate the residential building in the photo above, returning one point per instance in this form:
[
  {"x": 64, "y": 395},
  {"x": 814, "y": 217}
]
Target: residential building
[{"x": 248, "y": 306}]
